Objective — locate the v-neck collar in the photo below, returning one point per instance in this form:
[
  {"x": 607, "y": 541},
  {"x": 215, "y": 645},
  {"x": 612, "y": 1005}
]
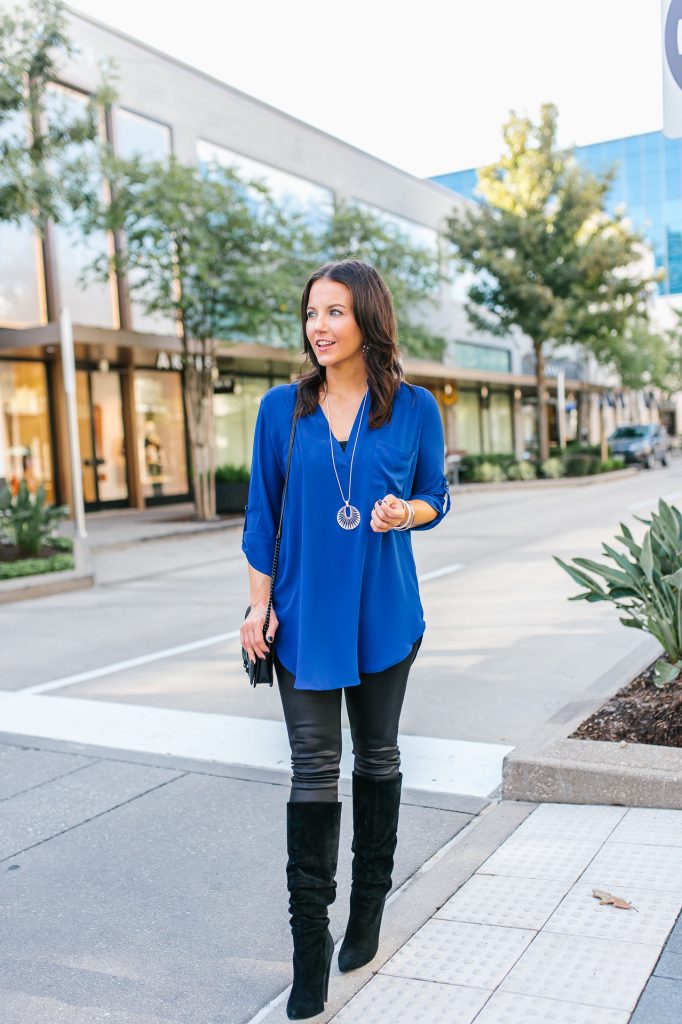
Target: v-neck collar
[{"x": 322, "y": 413}]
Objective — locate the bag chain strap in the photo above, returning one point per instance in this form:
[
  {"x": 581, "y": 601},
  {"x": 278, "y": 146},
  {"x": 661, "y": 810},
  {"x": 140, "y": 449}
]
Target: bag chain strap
[{"x": 278, "y": 539}]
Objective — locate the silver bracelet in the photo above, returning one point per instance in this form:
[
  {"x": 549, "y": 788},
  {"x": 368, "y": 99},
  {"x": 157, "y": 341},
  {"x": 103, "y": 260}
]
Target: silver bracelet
[{"x": 410, "y": 516}]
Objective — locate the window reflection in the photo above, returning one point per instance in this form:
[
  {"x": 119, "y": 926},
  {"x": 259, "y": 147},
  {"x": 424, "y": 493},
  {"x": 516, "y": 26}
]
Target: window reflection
[
  {"x": 90, "y": 301},
  {"x": 235, "y": 421},
  {"x": 135, "y": 135}
]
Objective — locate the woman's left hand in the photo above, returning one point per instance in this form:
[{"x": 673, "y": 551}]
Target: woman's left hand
[{"x": 387, "y": 513}]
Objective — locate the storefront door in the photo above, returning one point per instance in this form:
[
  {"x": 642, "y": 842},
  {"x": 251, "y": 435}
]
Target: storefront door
[{"x": 102, "y": 439}]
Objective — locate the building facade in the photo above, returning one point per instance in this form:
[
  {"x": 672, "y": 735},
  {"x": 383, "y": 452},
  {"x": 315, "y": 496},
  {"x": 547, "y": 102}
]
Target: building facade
[{"x": 131, "y": 422}]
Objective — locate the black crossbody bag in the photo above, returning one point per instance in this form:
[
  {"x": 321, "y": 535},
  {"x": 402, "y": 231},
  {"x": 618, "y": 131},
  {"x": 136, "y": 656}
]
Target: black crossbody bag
[{"x": 260, "y": 671}]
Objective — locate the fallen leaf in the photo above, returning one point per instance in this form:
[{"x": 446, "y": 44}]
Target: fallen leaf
[{"x": 606, "y": 898}]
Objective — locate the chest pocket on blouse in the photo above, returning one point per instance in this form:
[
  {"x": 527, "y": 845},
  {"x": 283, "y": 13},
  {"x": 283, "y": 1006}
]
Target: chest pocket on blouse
[{"x": 391, "y": 468}]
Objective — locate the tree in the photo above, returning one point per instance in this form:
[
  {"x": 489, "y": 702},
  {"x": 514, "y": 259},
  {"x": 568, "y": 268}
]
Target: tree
[
  {"x": 547, "y": 257},
  {"x": 39, "y": 154},
  {"x": 198, "y": 249},
  {"x": 411, "y": 271}
]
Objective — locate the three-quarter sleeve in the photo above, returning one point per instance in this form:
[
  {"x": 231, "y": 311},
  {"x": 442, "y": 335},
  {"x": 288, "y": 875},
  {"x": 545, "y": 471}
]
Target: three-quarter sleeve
[
  {"x": 430, "y": 483},
  {"x": 261, "y": 515}
]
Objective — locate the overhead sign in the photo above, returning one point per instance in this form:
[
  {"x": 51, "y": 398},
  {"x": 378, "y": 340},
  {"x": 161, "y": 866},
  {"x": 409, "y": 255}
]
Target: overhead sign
[{"x": 671, "y": 11}]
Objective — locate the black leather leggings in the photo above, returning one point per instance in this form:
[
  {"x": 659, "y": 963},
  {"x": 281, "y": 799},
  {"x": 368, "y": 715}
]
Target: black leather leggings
[{"x": 313, "y": 720}]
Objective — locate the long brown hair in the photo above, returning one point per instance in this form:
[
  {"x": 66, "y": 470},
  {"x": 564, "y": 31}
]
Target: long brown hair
[{"x": 375, "y": 316}]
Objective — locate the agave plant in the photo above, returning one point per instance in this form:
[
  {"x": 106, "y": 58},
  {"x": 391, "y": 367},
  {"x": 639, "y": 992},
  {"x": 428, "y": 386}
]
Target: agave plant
[
  {"x": 647, "y": 586},
  {"x": 29, "y": 522}
]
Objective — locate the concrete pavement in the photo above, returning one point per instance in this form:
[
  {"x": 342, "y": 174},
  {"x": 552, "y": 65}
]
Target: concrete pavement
[{"x": 142, "y": 868}]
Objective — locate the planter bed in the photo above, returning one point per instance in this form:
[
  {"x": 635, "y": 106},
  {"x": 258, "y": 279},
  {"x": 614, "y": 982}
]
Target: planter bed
[
  {"x": 55, "y": 557},
  {"x": 638, "y": 713},
  {"x": 558, "y": 764}
]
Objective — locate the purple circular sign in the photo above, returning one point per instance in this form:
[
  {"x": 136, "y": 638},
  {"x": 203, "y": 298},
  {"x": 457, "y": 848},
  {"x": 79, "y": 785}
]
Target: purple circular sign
[{"x": 672, "y": 54}]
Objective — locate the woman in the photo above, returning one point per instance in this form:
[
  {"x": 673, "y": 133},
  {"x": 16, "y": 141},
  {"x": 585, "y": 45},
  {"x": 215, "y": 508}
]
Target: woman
[{"x": 366, "y": 468}]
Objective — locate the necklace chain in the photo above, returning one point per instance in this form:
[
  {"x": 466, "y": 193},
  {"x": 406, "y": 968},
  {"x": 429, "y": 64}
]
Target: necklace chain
[{"x": 346, "y": 501}]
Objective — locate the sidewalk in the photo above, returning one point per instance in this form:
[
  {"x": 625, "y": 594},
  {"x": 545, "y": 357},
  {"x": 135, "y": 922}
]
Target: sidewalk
[{"x": 524, "y": 941}]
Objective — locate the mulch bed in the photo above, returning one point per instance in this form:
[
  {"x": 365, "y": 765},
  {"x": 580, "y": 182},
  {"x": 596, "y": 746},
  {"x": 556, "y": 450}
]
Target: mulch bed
[
  {"x": 8, "y": 553},
  {"x": 639, "y": 713}
]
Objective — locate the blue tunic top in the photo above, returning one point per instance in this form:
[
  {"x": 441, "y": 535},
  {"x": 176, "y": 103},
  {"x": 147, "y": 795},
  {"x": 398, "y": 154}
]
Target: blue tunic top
[{"x": 347, "y": 601}]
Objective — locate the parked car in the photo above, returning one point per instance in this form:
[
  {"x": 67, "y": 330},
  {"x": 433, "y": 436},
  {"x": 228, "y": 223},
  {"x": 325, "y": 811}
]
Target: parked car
[{"x": 643, "y": 443}]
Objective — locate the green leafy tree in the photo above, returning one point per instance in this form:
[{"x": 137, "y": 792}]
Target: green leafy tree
[
  {"x": 412, "y": 272},
  {"x": 195, "y": 247},
  {"x": 547, "y": 257},
  {"x": 39, "y": 154},
  {"x": 643, "y": 356}
]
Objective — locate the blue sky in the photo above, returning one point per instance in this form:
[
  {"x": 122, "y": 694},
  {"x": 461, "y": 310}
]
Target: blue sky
[{"x": 427, "y": 85}]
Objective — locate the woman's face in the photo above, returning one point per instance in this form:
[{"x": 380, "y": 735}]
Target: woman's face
[{"x": 330, "y": 324}]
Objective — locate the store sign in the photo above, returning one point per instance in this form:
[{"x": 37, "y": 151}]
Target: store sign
[
  {"x": 671, "y": 11},
  {"x": 166, "y": 362}
]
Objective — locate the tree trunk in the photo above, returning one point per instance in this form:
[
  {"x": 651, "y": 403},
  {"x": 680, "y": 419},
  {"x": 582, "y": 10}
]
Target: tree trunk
[
  {"x": 604, "y": 441},
  {"x": 198, "y": 392},
  {"x": 542, "y": 426}
]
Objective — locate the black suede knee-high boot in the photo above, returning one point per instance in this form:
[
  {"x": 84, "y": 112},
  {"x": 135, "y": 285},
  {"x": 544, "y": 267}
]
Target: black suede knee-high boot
[
  {"x": 312, "y": 845},
  {"x": 376, "y": 806}
]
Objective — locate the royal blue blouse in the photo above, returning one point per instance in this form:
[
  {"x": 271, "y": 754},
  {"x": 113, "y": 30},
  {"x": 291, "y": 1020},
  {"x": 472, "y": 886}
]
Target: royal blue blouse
[{"x": 347, "y": 601}]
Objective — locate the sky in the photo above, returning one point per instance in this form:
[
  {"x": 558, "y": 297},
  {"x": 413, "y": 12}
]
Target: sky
[{"x": 424, "y": 85}]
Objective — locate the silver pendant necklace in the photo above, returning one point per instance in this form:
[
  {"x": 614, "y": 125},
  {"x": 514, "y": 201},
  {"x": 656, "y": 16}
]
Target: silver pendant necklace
[{"x": 348, "y": 516}]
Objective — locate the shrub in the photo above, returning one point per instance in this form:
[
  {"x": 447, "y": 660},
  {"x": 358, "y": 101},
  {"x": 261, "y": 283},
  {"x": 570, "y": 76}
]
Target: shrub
[
  {"x": 29, "y": 523},
  {"x": 232, "y": 475},
  {"x": 647, "y": 587},
  {"x": 487, "y": 473},
  {"x": 553, "y": 468},
  {"x": 34, "y": 566},
  {"x": 521, "y": 471},
  {"x": 617, "y": 462},
  {"x": 581, "y": 464},
  {"x": 469, "y": 463}
]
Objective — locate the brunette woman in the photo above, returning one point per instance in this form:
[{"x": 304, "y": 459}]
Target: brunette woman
[{"x": 366, "y": 470}]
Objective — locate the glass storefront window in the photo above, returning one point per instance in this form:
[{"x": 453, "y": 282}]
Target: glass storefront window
[
  {"x": 235, "y": 421},
  {"x": 469, "y": 423},
  {"x": 287, "y": 189},
  {"x": 19, "y": 295},
  {"x": 94, "y": 302},
  {"x": 20, "y": 257},
  {"x": 470, "y": 356},
  {"x": 135, "y": 135},
  {"x": 25, "y": 449},
  {"x": 501, "y": 424},
  {"x": 161, "y": 433}
]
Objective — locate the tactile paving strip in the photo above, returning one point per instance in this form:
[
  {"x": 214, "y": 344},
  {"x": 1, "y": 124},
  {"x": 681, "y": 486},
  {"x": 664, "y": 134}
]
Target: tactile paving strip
[
  {"x": 458, "y": 953},
  {"x": 642, "y": 867},
  {"x": 508, "y": 1008},
  {"x": 504, "y": 900},
  {"x": 581, "y": 914},
  {"x": 556, "y": 859},
  {"x": 588, "y": 822},
  {"x": 598, "y": 972},
  {"x": 387, "y": 1000},
  {"x": 650, "y": 827}
]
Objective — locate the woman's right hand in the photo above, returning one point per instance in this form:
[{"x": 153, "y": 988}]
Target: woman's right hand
[{"x": 251, "y": 631}]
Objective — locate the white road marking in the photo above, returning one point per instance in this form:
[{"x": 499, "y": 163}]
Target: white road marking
[
  {"x": 445, "y": 571},
  {"x": 172, "y": 652},
  {"x": 429, "y": 763},
  {"x": 123, "y": 666},
  {"x": 653, "y": 501}
]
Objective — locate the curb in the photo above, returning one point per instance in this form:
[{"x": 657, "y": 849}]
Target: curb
[
  {"x": 417, "y": 900},
  {"x": 172, "y": 534},
  {"x": 563, "y": 481},
  {"x": 27, "y": 587},
  {"x": 550, "y": 767}
]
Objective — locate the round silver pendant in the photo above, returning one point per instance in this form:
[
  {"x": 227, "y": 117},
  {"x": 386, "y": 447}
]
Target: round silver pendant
[{"x": 348, "y": 517}]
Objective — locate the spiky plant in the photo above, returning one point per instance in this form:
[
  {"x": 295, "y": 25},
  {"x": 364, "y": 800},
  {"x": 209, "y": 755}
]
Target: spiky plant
[{"x": 646, "y": 586}]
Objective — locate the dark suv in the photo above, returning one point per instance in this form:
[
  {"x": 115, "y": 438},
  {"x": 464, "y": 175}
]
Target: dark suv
[{"x": 642, "y": 443}]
